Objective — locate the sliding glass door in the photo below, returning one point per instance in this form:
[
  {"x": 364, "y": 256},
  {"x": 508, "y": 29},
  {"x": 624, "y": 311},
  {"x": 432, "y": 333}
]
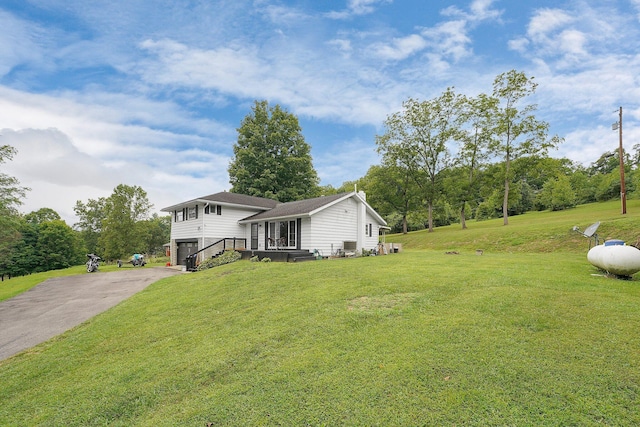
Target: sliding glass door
[{"x": 282, "y": 234}]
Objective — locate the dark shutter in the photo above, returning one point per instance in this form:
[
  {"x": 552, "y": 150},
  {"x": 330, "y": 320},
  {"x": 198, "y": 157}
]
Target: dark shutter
[{"x": 299, "y": 233}]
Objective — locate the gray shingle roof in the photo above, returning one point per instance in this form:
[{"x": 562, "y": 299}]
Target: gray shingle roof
[
  {"x": 230, "y": 198},
  {"x": 299, "y": 207},
  {"x": 240, "y": 199}
]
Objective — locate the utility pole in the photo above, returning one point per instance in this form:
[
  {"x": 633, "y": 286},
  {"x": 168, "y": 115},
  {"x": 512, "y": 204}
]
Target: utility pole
[{"x": 623, "y": 194}]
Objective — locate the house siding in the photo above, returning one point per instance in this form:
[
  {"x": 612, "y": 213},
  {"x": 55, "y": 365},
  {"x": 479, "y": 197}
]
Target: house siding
[
  {"x": 216, "y": 227},
  {"x": 324, "y": 226},
  {"x": 332, "y": 226},
  {"x": 372, "y": 242}
]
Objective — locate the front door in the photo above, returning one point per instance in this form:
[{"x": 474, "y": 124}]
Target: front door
[{"x": 254, "y": 236}]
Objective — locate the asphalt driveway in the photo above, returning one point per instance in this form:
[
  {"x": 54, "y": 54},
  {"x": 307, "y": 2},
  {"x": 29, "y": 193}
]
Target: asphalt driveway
[{"x": 59, "y": 304}]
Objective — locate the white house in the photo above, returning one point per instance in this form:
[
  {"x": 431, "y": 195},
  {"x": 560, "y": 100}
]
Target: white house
[{"x": 326, "y": 225}]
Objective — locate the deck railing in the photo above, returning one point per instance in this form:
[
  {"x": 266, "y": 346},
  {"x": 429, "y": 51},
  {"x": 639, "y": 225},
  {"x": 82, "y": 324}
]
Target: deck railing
[{"x": 215, "y": 249}]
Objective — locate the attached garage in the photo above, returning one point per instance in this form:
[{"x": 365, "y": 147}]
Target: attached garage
[{"x": 185, "y": 249}]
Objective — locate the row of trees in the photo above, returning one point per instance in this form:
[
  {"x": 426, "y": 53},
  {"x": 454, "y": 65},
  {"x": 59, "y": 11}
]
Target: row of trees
[
  {"x": 444, "y": 160},
  {"x": 114, "y": 227},
  {"x": 452, "y": 139}
]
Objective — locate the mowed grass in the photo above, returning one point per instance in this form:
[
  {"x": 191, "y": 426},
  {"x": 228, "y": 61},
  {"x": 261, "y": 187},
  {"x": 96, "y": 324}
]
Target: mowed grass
[
  {"x": 512, "y": 337},
  {"x": 534, "y": 231}
]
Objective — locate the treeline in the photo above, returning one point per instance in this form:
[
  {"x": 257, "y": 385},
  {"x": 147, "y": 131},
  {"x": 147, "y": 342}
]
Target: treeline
[
  {"x": 114, "y": 227},
  {"x": 538, "y": 183},
  {"x": 455, "y": 157}
]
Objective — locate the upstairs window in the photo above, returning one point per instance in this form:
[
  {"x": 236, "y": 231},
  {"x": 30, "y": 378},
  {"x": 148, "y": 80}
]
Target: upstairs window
[
  {"x": 213, "y": 210},
  {"x": 192, "y": 212}
]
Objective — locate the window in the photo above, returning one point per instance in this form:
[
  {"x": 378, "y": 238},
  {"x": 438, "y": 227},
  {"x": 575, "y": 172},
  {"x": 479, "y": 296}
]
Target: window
[
  {"x": 213, "y": 210},
  {"x": 192, "y": 213},
  {"x": 282, "y": 234},
  {"x": 179, "y": 216}
]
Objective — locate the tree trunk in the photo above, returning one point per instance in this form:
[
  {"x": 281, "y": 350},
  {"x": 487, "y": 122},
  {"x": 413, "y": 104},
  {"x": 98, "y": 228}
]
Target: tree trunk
[
  {"x": 430, "y": 217},
  {"x": 507, "y": 166},
  {"x": 462, "y": 218},
  {"x": 404, "y": 224},
  {"x": 505, "y": 202}
]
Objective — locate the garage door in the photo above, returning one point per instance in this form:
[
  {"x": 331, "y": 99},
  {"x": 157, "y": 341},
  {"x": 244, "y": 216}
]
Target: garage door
[{"x": 185, "y": 249}]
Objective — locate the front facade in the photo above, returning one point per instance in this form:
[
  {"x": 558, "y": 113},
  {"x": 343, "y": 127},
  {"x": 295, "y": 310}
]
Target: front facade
[{"x": 327, "y": 225}]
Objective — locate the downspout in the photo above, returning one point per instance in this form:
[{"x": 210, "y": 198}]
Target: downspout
[
  {"x": 203, "y": 211},
  {"x": 362, "y": 217}
]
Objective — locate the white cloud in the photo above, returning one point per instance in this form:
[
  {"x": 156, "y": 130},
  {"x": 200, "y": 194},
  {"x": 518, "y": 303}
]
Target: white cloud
[
  {"x": 357, "y": 7},
  {"x": 59, "y": 174},
  {"x": 282, "y": 15},
  {"x": 309, "y": 82},
  {"x": 18, "y": 43},
  {"x": 546, "y": 21},
  {"x": 479, "y": 10},
  {"x": 400, "y": 48},
  {"x": 70, "y": 149}
]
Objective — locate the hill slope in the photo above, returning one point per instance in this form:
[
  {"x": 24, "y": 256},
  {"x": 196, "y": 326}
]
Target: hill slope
[
  {"x": 532, "y": 232},
  {"x": 416, "y": 338}
]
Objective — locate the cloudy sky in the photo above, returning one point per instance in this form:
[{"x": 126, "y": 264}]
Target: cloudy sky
[{"x": 94, "y": 93}]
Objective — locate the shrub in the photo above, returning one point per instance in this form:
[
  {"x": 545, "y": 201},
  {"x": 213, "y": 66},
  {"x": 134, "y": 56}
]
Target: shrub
[
  {"x": 226, "y": 258},
  {"x": 254, "y": 258},
  {"x": 266, "y": 259}
]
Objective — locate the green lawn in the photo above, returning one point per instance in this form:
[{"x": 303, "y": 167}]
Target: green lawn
[
  {"x": 511, "y": 337},
  {"x": 12, "y": 287}
]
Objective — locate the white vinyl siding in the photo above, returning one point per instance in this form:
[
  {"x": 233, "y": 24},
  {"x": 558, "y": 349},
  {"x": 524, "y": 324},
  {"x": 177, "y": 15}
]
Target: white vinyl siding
[
  {"x": 333, "y": 226},
  {"x": 216, "y": 227},
  {"x": 371, "y": 242}
]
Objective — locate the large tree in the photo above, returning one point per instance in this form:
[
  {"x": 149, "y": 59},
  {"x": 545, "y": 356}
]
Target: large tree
[
  {"x": 90, "y": 216},
  {"x": 475, "y": 140},
  {"x": 416, "y": 138},
  {"x": 11, "y": 195},
  {"x": 518, "y": 131},
  {"x": 271, "y": 157},
  {"x": 124, "y": 212},
  {"x": 391, "y": 190}
]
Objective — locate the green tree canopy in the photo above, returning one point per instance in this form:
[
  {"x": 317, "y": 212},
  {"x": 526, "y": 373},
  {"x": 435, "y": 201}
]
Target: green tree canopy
[
  {"x": 518, "y": 131},
  {"x": 416, "y": 138},
  {"x": 124, "y": 211},
  {"x": 90, "y": 217},
  {"x": 11, "y": 196},
  {"x": 271, "y": 157}
]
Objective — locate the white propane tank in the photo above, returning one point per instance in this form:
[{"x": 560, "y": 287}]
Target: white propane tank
[{"x": 615, "y": 257}]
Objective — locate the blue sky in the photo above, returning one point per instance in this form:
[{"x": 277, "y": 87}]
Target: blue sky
[{"x": 150, "y": 93}]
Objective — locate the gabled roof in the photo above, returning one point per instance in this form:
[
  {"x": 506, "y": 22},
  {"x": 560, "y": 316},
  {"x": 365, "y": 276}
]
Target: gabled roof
[
  {"x": 272, "y": 209},
  {"x": 300, "y": 207},
  {"x": 309, "y": 207},
  {"x": 226, "y": 198}
]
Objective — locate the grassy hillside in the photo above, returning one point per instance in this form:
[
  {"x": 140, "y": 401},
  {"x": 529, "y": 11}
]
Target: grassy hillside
[
  {"x": 416, "y": 338},
  {"x": 532, "y": 232}
]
